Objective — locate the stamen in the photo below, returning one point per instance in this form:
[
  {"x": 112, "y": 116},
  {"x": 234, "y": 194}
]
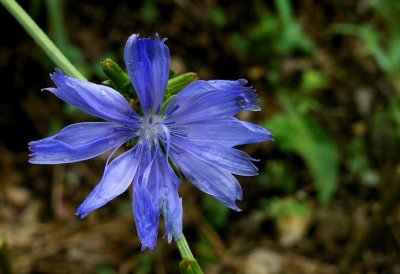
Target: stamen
[
  {"x": 132, "y": 115},
  {"x": 167, "y": 137},
  {"x": 138, "y": 150},
  {"x": 175, "y": 150},
  {"x": 126, "y": 128},
  {"x": 163, "y": 138},
  {"x": 158, "y": 151},
  {"x": 179, "y": 134},
  {"x": 172, "y": 110},
  {"x": 131, "y": 137},
  {"x": 158, "y": 109},
  {"x": 169, "y": 123}
]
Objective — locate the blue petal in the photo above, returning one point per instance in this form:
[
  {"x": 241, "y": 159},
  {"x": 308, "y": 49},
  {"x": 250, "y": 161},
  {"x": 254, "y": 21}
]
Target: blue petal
[
  {"x": 225, "y": 131},
  {"x": 146, "y": 200},
  {"x": 226, "y": 158},
  {"x": 77, "y": 142},
  {"x": 156, "y": 192},
  {"x": 205, "y": 100},
  {"x": 171, "y": 203},
  {"x": 98, "y": 100},
  {"x": 147, "y": 61},
  {"x": 213, "y": 179},
  {"x": 146, "y": 216},
  {"x": 117, "y": 177}
]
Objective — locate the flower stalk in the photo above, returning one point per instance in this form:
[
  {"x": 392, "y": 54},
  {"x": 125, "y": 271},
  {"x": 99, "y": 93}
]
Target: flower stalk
[
  {"x": 184, "y": 249},
  {"x": 188, "y": 265}
]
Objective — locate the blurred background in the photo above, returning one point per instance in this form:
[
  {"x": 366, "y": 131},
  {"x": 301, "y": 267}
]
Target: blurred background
[{"x": 326, "y": 199}]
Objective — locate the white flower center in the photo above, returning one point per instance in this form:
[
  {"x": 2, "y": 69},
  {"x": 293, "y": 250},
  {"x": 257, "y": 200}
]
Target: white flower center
[{"x": 151, "y": 127}]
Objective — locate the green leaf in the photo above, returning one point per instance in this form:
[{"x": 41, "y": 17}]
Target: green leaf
[
  {"x": 216, "y": 212},
  {"x": 285, "y": 207},
  {"x": 312, "y": 80},
  {"x": 303, "y": 135}
]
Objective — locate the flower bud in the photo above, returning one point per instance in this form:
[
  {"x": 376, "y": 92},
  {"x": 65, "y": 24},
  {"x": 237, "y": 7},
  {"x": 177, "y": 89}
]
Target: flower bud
[
  {"x": 177, "y": 83},
  {"x": 119, "y": 79}
]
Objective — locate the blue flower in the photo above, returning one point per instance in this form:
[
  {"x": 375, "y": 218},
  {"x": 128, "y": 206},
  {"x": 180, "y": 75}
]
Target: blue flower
[{"x": 197, "y": 131}]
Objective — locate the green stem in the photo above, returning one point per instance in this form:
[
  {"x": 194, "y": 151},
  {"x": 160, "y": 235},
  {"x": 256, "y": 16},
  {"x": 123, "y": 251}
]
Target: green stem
[
  {"x": 41, "y": 38},
  {"x": 188, "y": 265},
  {"x": 184, "y": 249}
]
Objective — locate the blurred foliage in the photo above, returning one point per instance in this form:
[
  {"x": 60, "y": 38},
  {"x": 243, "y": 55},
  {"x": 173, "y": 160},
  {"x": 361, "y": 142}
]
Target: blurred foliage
[
  {"x": 281, "y": 208},
  {"x": 277, "y": 176},
  {"x": 359, "y": 164},
  {"x": 297, "y": 126},
  {"x": 381, "y": 42},
  {"x": 206, "y": 253},
  {"x": 59, "y": 34},
  {"x": 105, "y": 269},
  {"x": 299, "y": 132},
  {"x": 274, "y": 34},
  {"x": 216, "y": 212}
]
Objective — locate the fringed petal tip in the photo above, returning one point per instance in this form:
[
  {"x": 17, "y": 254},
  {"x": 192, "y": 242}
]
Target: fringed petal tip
[
  {"x": 80, "y": 214},
  {"x": 32, "y": 159},
  {"x": 248, "y": 98},
  {"x": 149, "y": 240},
  {"x": 269, "y": 135},
  {"x": 55, "y": 76},
  {"x": 235, "y": 207},
  {"x": 58, "y": 73},
  {"x": 134, "y": 38},
  {"x": 175, "y": 235},
  {"x": 147, "y": 61},
  {"x": 146, "y": 246},
  {"x": 50, "y": 89}
]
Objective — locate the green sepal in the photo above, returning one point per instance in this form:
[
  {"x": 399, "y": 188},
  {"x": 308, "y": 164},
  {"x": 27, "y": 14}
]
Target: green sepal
[
  {"x": 166, "y": 102},
  {"x": 119, "y": 79},
  {"x": 187, "y": 266},
  {"x": 177, "y": 83}
]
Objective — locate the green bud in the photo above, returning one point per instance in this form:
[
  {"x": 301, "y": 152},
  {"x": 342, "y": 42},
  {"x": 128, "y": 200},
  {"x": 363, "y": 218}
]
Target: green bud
[
  {"x": 187, "y": 266},
  {"x": 119, "y": 79},
  {"x": 177, "y": 83}
]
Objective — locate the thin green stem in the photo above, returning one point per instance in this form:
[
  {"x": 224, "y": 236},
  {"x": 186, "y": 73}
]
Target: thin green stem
[
  {"x": 184, "y": 249},
  {"x": 188, "y": 265},
  {"x": 41, "y": 38}
]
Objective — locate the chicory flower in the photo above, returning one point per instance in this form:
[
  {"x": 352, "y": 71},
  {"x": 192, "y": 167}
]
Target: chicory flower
[{"x": 196, "y": 131}]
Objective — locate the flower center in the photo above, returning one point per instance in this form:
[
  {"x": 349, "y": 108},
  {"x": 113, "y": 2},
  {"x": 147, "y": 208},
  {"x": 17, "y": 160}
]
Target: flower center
[{"x": 151, "y": 128}]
